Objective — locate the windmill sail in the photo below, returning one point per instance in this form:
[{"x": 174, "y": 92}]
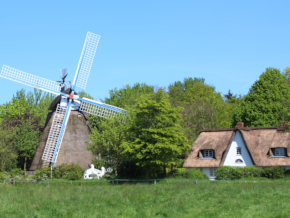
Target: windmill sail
[
  {"x": 86, "y": 60},
  {"x": 99, "y": 109},
  {"x": 54, "y": 133},
  {"x": 30, "y": 79}
]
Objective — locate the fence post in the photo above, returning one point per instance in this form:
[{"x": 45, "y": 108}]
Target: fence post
[
  {"x": 195, "y": 181},
  {"x": 154, "y": 182},
  {"x": 167, "y": 181}
]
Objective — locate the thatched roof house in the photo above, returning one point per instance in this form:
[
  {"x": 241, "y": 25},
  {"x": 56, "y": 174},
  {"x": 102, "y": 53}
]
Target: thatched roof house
[{"x": 240, "y": 146}]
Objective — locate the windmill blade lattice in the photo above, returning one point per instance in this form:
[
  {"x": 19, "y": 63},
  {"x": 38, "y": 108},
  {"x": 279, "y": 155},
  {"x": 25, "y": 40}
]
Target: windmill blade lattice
[
  {"x": 100, "y": 109},
  {"x": 29, "y": 79},
  {"x": 54, "y": 133},
  {"x": 86, "y": 60}
]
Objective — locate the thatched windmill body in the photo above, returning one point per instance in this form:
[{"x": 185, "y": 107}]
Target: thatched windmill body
[{"x": 66, "y": 129}]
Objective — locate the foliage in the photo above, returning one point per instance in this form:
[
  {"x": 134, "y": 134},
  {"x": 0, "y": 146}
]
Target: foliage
[
  {"x": 27, "y": 136},
  {"x": 264, "y": 105},
  {"x": 36, "y": 102},
  {"x": 43, "y": 171},
  {"x": 69, "y": 171},
  {"x": 127, "y": 96},
  {"x": 276, "y": 172},
  {"x": 156, "y": 138},
  {"x": 107, "y": 139},
  {"x": 98, "y": 163},
  {"x": 203, "y": 107},
  {"x": 229, "y": 173},
  {"x": 235, "y": 173},
  {"x": 8, "y": 151},
  {"x": 189, "y": 174}
]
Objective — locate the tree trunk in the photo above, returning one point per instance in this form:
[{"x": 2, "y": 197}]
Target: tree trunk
[
  {"x": 116, "y": 168},
  {"x": 147, "y": 173},
  {"x": 25, "y": 164},
  {"x": 164, "y": 170}
]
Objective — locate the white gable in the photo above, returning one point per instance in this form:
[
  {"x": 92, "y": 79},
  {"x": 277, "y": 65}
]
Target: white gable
[{"x": 238, "y": 160}]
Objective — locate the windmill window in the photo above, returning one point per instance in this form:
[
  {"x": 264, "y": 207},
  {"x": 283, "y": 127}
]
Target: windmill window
[
  {"x": 279, "y": 152},
  {"x": 239, "y": 161},
  {"x": 207, "y": 154},
  {"x": 239, "y": 151}
]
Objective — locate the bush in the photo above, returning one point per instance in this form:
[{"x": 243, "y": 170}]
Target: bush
[
  {"x": 252, "y": 171},
  {"x": 16, "y": 172},
  {"x": 189, "y": 173},
  {"x": 229, "y": 173},
  {"x": 69, "y": 171},
  {"x": 43, "y": 172},
  {"x": 2, "y": 176},
  {"x": 273, "y": 172}
]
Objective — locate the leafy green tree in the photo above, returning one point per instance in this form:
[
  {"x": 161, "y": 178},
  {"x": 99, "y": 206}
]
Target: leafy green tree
[
  {"x": 264, "y": 105},
  {"x": 107, "y": 139},
  {"x": 8, "y": 152},
  {"x": 156, "y": 138},
  {"x": 127, "y": 96},
  {"x": 27, "y": 136},
  {"x": 37, "y": 102},
  {"x": 178, "y": 91},
  {"x": 203, "y": 107}
]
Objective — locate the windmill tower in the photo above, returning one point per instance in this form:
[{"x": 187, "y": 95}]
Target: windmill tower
[{"x": 65, "y": 132}]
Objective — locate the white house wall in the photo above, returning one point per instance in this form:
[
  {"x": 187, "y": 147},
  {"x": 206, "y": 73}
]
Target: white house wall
[{"x": 232, "y": 155}]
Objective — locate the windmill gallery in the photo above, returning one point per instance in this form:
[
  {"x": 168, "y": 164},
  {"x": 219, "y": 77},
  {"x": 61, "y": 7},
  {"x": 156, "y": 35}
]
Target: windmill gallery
[{"x": 66, "y": 130}]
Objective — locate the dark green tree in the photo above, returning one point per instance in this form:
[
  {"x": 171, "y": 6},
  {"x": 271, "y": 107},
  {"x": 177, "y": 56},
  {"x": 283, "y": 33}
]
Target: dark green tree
[{"x": 264, "y": 105}]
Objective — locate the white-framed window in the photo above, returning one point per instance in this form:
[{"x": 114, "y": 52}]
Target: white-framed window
[
  {"x": 212, "y": 172},
  {"x": 239, "y": 151},
  {"x": 238, "y": 161},
  {"x": 279, "y": 152},
  {"x": 208, "y": 153}
]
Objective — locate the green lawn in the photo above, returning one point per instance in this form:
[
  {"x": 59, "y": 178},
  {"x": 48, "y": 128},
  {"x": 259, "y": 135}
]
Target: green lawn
[{"x": 176, "y": 199}]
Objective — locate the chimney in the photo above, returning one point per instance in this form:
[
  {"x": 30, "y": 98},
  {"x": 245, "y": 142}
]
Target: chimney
[{"x": 240, "y": 124}]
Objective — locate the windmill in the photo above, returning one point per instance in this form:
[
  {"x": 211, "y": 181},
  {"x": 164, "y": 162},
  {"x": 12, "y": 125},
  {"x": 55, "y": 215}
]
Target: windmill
[{"x": 69, "y": 100}]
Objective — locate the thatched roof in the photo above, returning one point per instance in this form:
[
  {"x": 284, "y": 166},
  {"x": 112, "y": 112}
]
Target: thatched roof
[{"x": 258, "y": 141}]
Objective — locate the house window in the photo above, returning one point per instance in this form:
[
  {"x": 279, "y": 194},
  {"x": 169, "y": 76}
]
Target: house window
[
  {"x": 239, "y": 151},
  {"x": 208, "y": 153},
  {"x": 212, "y": 172},
  {"x": 238, "y": 161},
  {"x": 280, "y": 152}
]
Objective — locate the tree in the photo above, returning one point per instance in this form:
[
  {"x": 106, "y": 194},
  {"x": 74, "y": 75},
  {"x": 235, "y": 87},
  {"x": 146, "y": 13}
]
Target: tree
[
  {"x": 27, "y": 136},
  {"x": 156, "y": 138},
  {"x": 203, "y": 107},
  {"x": 178, "y": 90},
  {"x": 36, "y": 102},
  {"x": 8, "y": 152},
  {"x": 107, "y": 139},
  {"x": 127, "y": 96},
  {"x": 264, "y": 105}
]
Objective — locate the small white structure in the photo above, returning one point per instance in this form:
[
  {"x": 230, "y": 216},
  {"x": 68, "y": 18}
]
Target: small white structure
[{"x": 93, "y": 173}]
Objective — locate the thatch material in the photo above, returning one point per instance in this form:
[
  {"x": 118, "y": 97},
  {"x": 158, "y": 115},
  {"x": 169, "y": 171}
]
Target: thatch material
[
  {"x": 73, "y": 144},
  {"x": 258, "y": 141}
]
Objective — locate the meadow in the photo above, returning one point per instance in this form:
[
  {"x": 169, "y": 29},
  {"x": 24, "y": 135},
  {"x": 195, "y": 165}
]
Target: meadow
[{"x": 172, "y": 199}]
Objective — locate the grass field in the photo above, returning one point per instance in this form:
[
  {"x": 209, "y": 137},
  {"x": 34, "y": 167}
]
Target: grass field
[{"x": 176, "y": 199}]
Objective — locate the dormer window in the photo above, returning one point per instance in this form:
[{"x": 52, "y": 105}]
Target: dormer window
[
  {"x": 279, "y": 152},
  {"x": 207, "y": 153}
]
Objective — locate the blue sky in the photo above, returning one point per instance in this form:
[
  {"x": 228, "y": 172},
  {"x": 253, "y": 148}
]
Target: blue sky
[{"x": 229, "y": 43}]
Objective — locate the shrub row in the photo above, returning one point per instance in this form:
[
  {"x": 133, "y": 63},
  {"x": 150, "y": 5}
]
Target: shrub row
[
  {"x": 69, "y": 171},
  {"x": 184, "y": 173},
  {"x": 235, "y": 173}
]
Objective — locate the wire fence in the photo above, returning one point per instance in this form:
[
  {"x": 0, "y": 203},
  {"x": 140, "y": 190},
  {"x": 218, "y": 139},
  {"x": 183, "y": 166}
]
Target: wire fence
[{"x": 122, "y": 181}]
